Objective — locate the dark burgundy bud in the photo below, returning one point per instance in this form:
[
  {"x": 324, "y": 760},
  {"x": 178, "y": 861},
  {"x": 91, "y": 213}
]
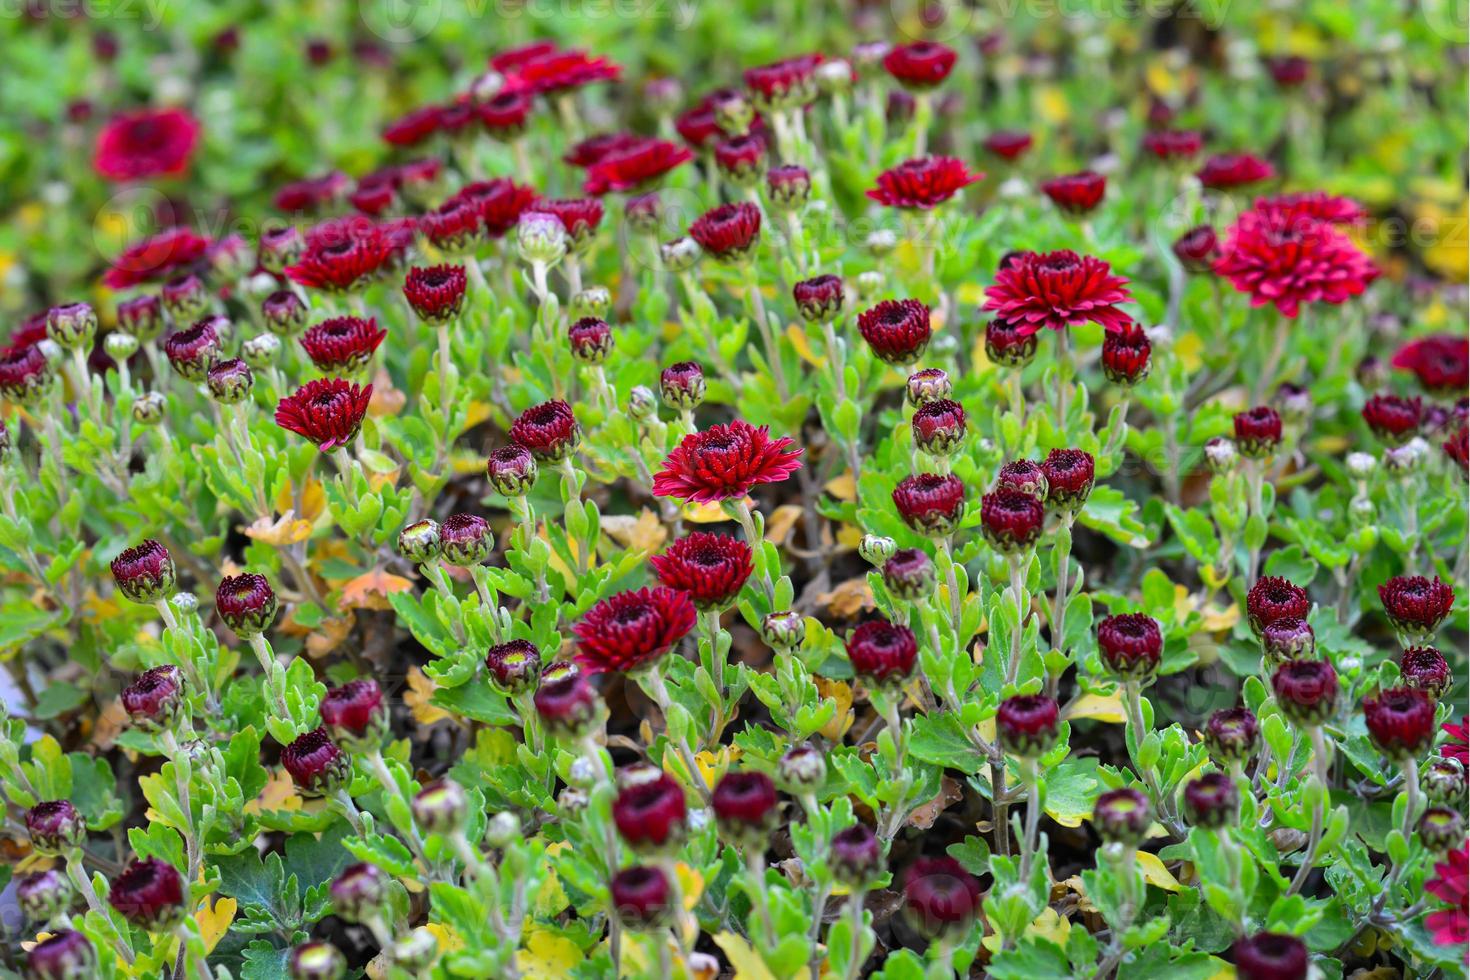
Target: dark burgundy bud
[
  {"x": 356, "y": 716},
  {"x": 512, "y": 470},
  {"x": 939, "y": 427},
  {"x": 590, "y": 339},
  {"x": 909, "y": 574},
  {"x": 150, "y": 894},
  {"x": 927, "y": 385},
  {"x": 1393, "y": 419},
  {"x": 1009, "y": 345},
  {"x": 788, "y": 187},
  {"x": 1400, "y": 722},
  {"x": 1306, "y": 691},
  {"x": 514, "y": 666},
  {"x": 1131, "y": 645},
  {"x": 897, "y": 330},
  {"x": 1197, "y": 249},
  {"x": 316, "y": 764},
  {"x": 1444, "y": 781},
  {"x": 1069, "y": 478},
  {"x": 193, "y": 350},
  {"x": 783, "y": 630},
  {"x": 1272, "y": 599},
  {"x": 802, "y": 768},
  {"x": 360, "y": 893},
  {"x": 682, "y": 385},
  {"x": 1076, "y": 194},
  {"x": 1258, "y": 432},
  {"x": 66, "y": 955},
  {"x": 1271, "y": 956},
  {"x": 437, "y": 293},
  {"x": 419, "y": 542},
  {"x": 856, "y": 856},
  {"x": 440, "y": 807},
  {"x": 1441, "y": 829},
  {"x": 229, "y": 381},
  {"x": 882, "y": 652},
  {"x": 465, "y": 540},
  {"x": 152, "y": 701},
  {"x": 280, "y": 247},
  {"x": 145, "y": 573},
  {"x": 1025, "y": 475},
  {"x": 246, "y": 603},
  {"x": 1212, "y": 801},
  {"x": 1122, "y": 816},
  {"x": 1027, "y": 725},
  {"x": 819, "y": 300},
  {"x": 1288, "y": 638},
  {"x": 1371, "y": 372},
  {"x": 1011, "y": 520},
  {"x": 565, "y": 700},
  {"x": 746, "y": 807},
  {"x": 1232, "y": 735},
  {"x": 284, "y": 313},
  {"x": 25, "y": 374},
  {"x": 1426, "y": 669},
  {"x": 185, "y": 297},
  {"x": 730, "y": 232},
  {"x": 641, "y": 896},
  {"x": 1416, "y": 605},
  {"x": 316, "y": 961},
  {"x": 72, "y": 326},
  {"x": 930, "y": 504},
  {"x": 1125, "y": 356},
  {"x": 940, "y": 895},
  {"x": 44, "y": 895},
  {"x": 741, "y": 159},
  {"x": 141, "y": 317},
  {"x": 549, "y": 430},
  {"x": 651, "y": 815}
]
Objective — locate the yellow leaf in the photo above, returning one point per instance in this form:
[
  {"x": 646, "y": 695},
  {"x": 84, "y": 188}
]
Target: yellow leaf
[
  {"x": 780, "y": 523},
  {"x": 279, "y": 793},
  {"x": 848, "y": 598},
  {"x": 645, "y": 533},
  {"x": 691, "y": 884},
  {"x": 1053, "y": 104},
  {"x": 551, "y": 898},
  {"x": 709, "y": 513},
  {"x": 1048, "y": 925},
  {"x": 841, "y": 692},
  {"x": 746, "y": 962},
  {"x": 1108, "y": 708},
  {"x": 313, "y": 500},
  {"x": 970, "y": 294},
  {"x": 798, "y": 339},
  {"x": 1187, "y": 347},
  {"x": 1155, "y": 872},
  {"x": 371, "y": 590},
  {"x": 449, "y": 940},
  {"x": 849, "y": 537},
  {"x": 420, "y": 690},
  {"x": 329, "y": 636},
  {"x": 214, "y": 921},
  {"x": 842, "y": 487},
  {"x": 386, "y": 400},
  {"x": 284, "y": 531},
  {"x": 712, "y": 765},
  {"x": 547, "y": 956}
]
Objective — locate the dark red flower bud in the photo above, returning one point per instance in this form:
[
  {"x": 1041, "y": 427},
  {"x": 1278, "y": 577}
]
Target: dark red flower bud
[
  {"x": 246, "y": 603},
  {"x": 1122, "y": 816},
  {"x": 940, "y": 895},
  {"x": 65, "y": 955},
  {"x": 746, "y": 807},
  {"x": 514, "y": 665},
  {"x": 1288, "y": 71},
  {"x": 372, "y": 197},
  {"x": 1229, "y": 171},
  {"x": 1008, "y": 144},
  {"x": 150, "y": 894},
  {"x": 923, "y": 183},
  {"x": 1009, "y": 344},
  {"x": 1027, "y": 724},
  {"x": 565, "y": 701},
  {"x": 414, "y": 127},
  {"x": 141, "y": 316},
  {"x": 72, "y": 325},
  {"x": 194, "y": 349},
  {"x": 819, "y": 300},
  {"x": 1070, "y": 475},
  {"x": 882, "y": 652},
  {"x": 630, "y": 630},
  {"x": 356, "y": 716},
  {"x": 145, "y": 573},
  {"x": 512, "y": 470},
  {"x": 280, "y": 247},
  {"x": 454, "y": 227},
  {"x": 436, "y": 293},
  {"x": 185, "y": 297},
  {"x": 55, "y": 827},
  {"x": 1011, "y": 520},
  {"x": 1393, "y": 419},
  {"x": 504, "y": 114},
  {"x": 1025, "y": 475},
  {"x": 1306, "y": 690},
  {"x": 788, "y": 187},
  {"x": 939, "y": 427},
  {"x": 801, "y": 768},
  {"x": 930, "y": 503},
  {"x": 1232, "y": 734},
  {"x": 1197, "y": 249},
  {"x": 360, "y": 892},
  {"x": 1076, "y": 193},
  {"x": 1212, "y": 801},
  {"x": 229, "y": 382},
  {"x": 1131, "y": 645},
  {"x": 741, "y": 159},
  {"x": 725, "y": 462},
  {"x": 1441, "y": 829},
  {"x": 920, "y": 65},
  {"x": 317, "y": 766},
  {"x": 284, "y": 313},
  {"x": 1271, "y": 956},
  {"x": 1274, "y": 598},
  {"x": 500, "y": 203},
  {"x": 580, "y": 216},
  {"x": 1125, "y": 356},
  {"x": 316, "y": 961},
  {"x": 1416, "y": 605},
  {"x": 1172, "y": 144},
  {"x": 1400, "y": 722},
  {"x": 856, "y": 856},
  {"x": 682, "y": 385},
  {"x": 1258, "y": 432},
  {"x": 549, "y": 430},
  {"x": 328, "y": 411},
  {"x": 1288, "y": 638},
  {"x": 43, "y": 895},
  {"x": 641, "y": 896},
  {"x": 909, "y": 574},
  {"x": 783, "y": 84},
  {"x": 1457, "y": 448},
  {"x": 711, "y": 568},
  {"x": 898, "y": 331},
  {"x": 590, "y": 339},
  {"x": 927, "y": 385},
  {"x": 634, "y": 166},
  {"x": 152, "y": 701},
  {"x": 1426, "y": 669},
  {"x": 343, "y": 344},
  {"x": 651, "y": 815},
  {"x": 729, "y": 232},
  {"x": 465, "y": 540}
]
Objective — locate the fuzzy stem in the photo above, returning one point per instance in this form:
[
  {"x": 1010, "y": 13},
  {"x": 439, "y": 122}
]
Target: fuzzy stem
[{"x": 1319, "y": 812}]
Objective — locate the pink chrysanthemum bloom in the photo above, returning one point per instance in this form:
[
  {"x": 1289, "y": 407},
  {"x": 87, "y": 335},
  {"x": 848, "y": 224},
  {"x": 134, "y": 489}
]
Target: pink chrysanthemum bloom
[
  {"x": 147, "y": 143},
  {"x": 923, "y": 183},
  {"x": 1056, "y": 290},
  {"x": 1286, "y": 260}
]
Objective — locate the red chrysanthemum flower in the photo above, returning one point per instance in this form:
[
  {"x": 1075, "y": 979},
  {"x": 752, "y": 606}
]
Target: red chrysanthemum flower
[
  {"x": 453, "y": 227},
  {"x": 343, "y": 344},
  {"x": 1290, "y": 261},
  {"x": 580, "y": 216},
  {"x": 155, "y": 258},
  {"x": 1416, "y": 605},
  {"x": 1451, "y": 885},
  {"x": 596, "y": 148},
  {"x": 1273, "y": 598},
  {"x": 1400, "y": 721},
  {"x": 1057, "y": 289},
  {"x": 549, "y": 430},
  {"x": 554, "y": 72},
  {"x": 342, "y": 255},
  {"x": 1197, "y": 249},
  {"x": 147, "y": 143},
  {"x": 1008, "y": 144},
  {"x": 632, "y": 629},
  {"x": 1125, "y": 356},
  {"x": 149, "y": 893},
  {"x": 1315, "y": 206},
  {"x": 922, "y": 183},
  {"x": 1440, "y": 362},
  {"x": 1076, "y": 193},
  {"x": 728, "y": 232},
  {"x": 373, "y": 195},
  {"x": 724, "y": 462},
  {"x": 329, "y": 412},
  {"x": 436, "y": 293},
  {"x": 500, "y": 202},
  {"x": 1172, "y": 144},
  {"x": 698, "y": 126},
  {"x": 634, "y": 166},
  {"x": 1457, "y": 448},
  {"x": 785, "y": 83},
  {"x": 1227, "y": 171},
  {"x": 1458, "y": 745},
  {"x": 313, "y": 193},
  {"x": 414, "y": 127},
  {"x": 881, "y": 651},
  {"x": 504, "y": 115},
  {"x": 920, "y": 64},
  {"x": 897, "y": 330},
  {"x": 711, "y": 568},
  {"x": 1392, "y": 418},
  {"x": 930, "y": 503}
]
